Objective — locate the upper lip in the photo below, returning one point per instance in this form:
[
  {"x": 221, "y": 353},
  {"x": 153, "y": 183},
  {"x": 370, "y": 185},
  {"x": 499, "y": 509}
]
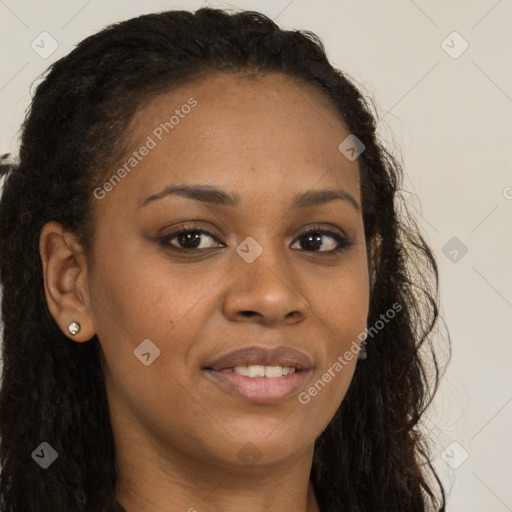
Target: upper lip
[{"x": 280, "y": 356}]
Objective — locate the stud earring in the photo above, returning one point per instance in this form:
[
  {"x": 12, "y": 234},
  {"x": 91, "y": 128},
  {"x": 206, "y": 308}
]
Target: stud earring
[{"x": 73, "y": 328}]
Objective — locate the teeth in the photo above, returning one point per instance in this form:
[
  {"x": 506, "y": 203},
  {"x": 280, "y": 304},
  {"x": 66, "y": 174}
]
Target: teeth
[
  {"x": 252, "y": 371},
  {"x": 263, "y": 371}
]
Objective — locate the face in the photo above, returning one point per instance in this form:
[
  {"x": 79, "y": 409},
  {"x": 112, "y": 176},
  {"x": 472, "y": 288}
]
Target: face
[{"x": 256, "y": 269}]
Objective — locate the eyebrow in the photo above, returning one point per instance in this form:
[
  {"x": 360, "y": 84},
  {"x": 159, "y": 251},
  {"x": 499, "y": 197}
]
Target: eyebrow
[{"x": 215, "y": 196}]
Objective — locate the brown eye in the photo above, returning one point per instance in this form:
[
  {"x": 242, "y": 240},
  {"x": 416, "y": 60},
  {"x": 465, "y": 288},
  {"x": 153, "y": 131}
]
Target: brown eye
[
  {"x": 190, "y": 239},
  {"x": 317, "y": 240}
]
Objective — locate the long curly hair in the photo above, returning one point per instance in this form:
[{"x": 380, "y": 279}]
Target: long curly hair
[{"x": 373, "y": 455}]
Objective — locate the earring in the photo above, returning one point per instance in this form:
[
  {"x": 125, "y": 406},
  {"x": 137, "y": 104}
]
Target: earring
[
  {"x": 73, "y": 328},
  {"x": 362, "y": 351}
]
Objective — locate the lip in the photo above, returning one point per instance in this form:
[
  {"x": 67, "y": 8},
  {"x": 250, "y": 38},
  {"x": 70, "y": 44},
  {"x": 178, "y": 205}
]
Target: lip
[{"x": 261, "y": 390}]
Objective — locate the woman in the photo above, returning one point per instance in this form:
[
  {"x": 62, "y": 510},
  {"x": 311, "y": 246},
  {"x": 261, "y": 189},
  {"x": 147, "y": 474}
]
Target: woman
[{"x": 210, "y": 300}]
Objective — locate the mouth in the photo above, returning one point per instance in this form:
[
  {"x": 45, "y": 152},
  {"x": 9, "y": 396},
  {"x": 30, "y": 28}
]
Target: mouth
[{"x": 259, "y": 375}]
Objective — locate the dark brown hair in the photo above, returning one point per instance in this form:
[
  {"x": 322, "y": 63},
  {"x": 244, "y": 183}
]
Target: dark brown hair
[{"x": 372, "y": 456}]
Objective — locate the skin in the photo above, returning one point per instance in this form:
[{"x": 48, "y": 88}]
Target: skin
[{"x": 178, "y": 435}]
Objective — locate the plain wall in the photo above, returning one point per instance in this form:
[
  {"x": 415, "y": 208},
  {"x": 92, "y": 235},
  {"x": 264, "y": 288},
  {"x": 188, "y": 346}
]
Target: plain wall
[{"x": 451, "y": 117}]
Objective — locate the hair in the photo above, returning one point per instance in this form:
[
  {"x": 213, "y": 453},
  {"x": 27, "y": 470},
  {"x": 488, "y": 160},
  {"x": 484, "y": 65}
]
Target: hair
[{"x": 373, "y": 455}]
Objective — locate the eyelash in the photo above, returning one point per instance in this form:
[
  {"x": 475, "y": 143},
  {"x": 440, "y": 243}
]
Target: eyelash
[{"x": 343, "y": 242}]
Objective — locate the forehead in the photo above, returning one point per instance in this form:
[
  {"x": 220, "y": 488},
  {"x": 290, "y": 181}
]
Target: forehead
[{"x": 243, "y": 132}]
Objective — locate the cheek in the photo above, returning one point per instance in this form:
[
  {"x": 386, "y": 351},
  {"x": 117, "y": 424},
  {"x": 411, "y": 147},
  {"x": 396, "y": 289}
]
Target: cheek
[
  {"x": 343, "y": 323},
  {"x": 341, "y": 306},
  {"x": 137, "y": 297},
  {"x": 139, "y": 301}
]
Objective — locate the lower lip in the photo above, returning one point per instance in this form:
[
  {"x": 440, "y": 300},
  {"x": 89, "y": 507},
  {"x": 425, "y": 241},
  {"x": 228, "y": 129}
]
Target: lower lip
[{"x": 260, "y": 390}]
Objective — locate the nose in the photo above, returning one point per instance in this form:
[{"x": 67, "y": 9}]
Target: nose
[{"x": 266, "y": 291}]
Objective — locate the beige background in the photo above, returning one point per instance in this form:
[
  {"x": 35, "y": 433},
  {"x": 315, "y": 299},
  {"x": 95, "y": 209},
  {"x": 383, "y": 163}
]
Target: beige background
[{"x": 452, "y": 119}]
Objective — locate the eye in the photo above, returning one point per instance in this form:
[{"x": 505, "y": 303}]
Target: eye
[
  {"x": 189, "y": 238},
  {"x": 315, "y": 239}
]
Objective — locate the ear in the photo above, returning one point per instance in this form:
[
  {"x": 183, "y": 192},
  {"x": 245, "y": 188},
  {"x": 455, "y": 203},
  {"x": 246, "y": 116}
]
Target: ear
[{"x": 65, "y": 280}]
